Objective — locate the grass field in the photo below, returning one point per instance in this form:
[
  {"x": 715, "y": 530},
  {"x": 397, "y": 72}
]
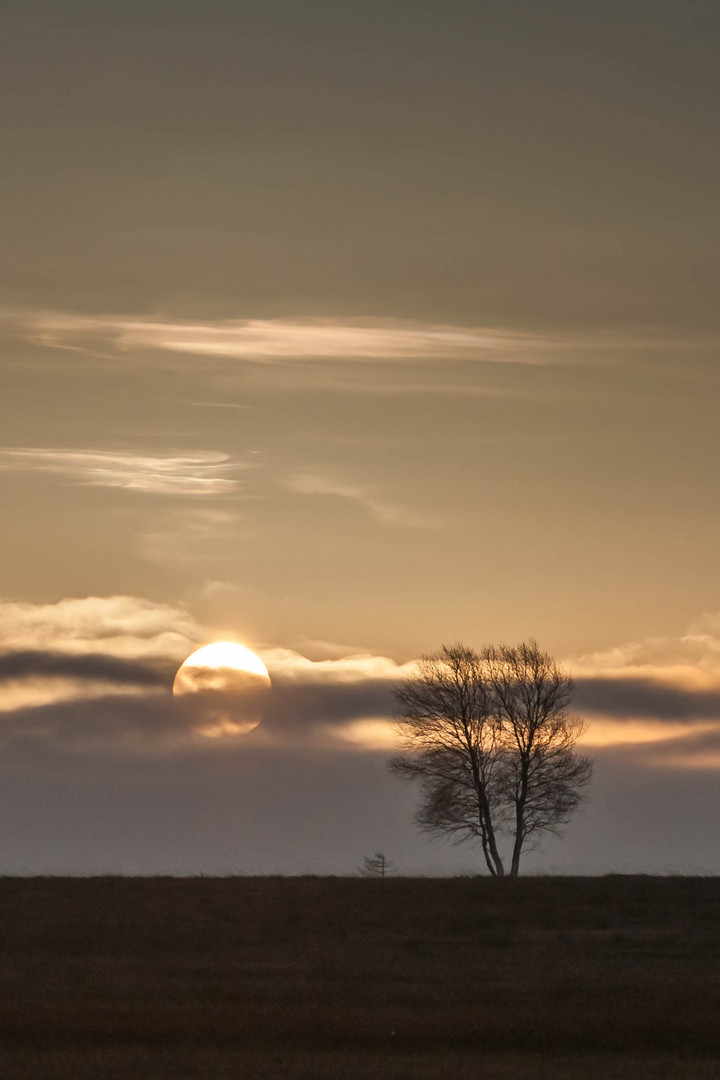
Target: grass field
[{"x": 314, "y": 978}]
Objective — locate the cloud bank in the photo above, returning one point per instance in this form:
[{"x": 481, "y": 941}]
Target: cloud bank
[
  {"x": 94, "y": 674},
  {"x": 131, "y": 627}
]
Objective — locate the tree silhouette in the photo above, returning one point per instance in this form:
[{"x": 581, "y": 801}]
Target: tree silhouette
[
  {"x": 490, "y": 739},
  {"x": 377, "y": 865}
]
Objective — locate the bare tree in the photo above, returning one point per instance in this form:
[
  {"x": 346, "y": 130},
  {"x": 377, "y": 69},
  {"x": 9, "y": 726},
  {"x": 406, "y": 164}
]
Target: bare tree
[
  {"x": 543, "y": 776},
  {"x": 491, "y": 742},
  {"x": 377, "y": 865},
  {"x": 446, "y": 721}
]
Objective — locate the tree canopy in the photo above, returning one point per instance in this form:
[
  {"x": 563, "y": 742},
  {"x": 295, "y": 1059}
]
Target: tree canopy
[{"x": 490, "y": 738}]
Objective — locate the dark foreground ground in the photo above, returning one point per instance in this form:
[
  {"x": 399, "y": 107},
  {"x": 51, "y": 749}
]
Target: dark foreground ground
[{"x": 320, "y": 978}]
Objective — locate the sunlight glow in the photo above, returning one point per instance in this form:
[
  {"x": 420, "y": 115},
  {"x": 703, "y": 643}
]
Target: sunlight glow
[
  {"x": 227, "y": 654},
  {"x": 370, "y": 734},
  {"x": 608, "y": 733}
]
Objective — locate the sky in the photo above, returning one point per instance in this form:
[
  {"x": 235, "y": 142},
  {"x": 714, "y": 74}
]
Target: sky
[{"x": 346, "y": 331}]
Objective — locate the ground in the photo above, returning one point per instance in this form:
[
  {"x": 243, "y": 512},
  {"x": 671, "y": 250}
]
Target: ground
[{"x": 314, "y": 978}]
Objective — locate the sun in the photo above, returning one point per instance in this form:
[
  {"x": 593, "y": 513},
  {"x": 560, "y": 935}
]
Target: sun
[
  {"x": 226, "y": 654},
  {"x": 220, "y": 689}
]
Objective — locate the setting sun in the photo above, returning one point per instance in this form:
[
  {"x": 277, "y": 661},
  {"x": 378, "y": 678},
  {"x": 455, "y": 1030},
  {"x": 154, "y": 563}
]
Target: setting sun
[
  {"x": 220, "y": 688},
  {"x": 225, "y": 654}
]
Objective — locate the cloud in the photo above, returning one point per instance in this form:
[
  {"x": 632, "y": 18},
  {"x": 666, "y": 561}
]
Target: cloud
[
  {"x": 306, "y": 707},
  {"x": 632, "y": 735},
  {"x": 660, "y": 693},
  {"x": 33, "y": 663},
  {"x": 296, "y": 708},
  {"x": 33, "y": 678},
  {"x": 290, "y": 667},
  {"x": 188, "y": 537},
  {"x": 698, "y": 748},
  {"x": 655, "y": 699},
  {"x": 326, "y": 338},
  {"x": 692, "y": 658},
  {"x": 121, "y": 626},
  {"x": 326, "y": 736},
  {"x": 707, "y": 759},
  {"x": 669, "y": 707},
  {"x": 92, "y": 719},
  {"x": 112, "y": 660},
  {"x": 345, "y": 700},
  {"x": 84, "y": 673},
  {"x": 200, "y": 473},
  {"x": 88, "y": 648},
  {"x": 351, "y": 698},
  {"x": 116, "y": 724},
  {"x": 93, "y": 674},
  {"x": 316, "y": 484},
  {"x": 277, "y": 340}
]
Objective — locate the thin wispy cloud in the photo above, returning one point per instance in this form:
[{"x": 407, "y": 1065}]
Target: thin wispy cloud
[
  {"x": 285, "y": 340},
  {"x": 201, "y": 473},
  {"x": 270, "y": 340},
  {"x": 383, "y": 510},
  {"x": 189, "y": 537},
  {"x": 306, "y": 339}
]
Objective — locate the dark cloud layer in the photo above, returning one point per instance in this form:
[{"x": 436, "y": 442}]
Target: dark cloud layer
[
  {"x": 139, "y": 723},
  {"x": 298, "y": 705},
  {"x": 294, "y": 706},
  {"x": 295, "y": 713},
  {"x": 152, "y": 722},
  {"x": 647, "y": 698},
  {"x": 34, "y": 663}
]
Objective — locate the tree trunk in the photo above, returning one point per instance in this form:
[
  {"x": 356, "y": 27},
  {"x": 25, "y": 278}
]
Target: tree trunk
[
  {"x": 520, "y": 818},
  {"x": 519, "y": 838},
  {"x": 499, "y": 868},
  {"x": 492, "y": 855}
]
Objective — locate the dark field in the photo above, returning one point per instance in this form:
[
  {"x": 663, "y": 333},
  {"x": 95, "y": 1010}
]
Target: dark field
[{"x": 315, "y": 978}]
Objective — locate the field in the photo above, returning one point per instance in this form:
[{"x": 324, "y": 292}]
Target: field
[{"x": 318, "y": 978}]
